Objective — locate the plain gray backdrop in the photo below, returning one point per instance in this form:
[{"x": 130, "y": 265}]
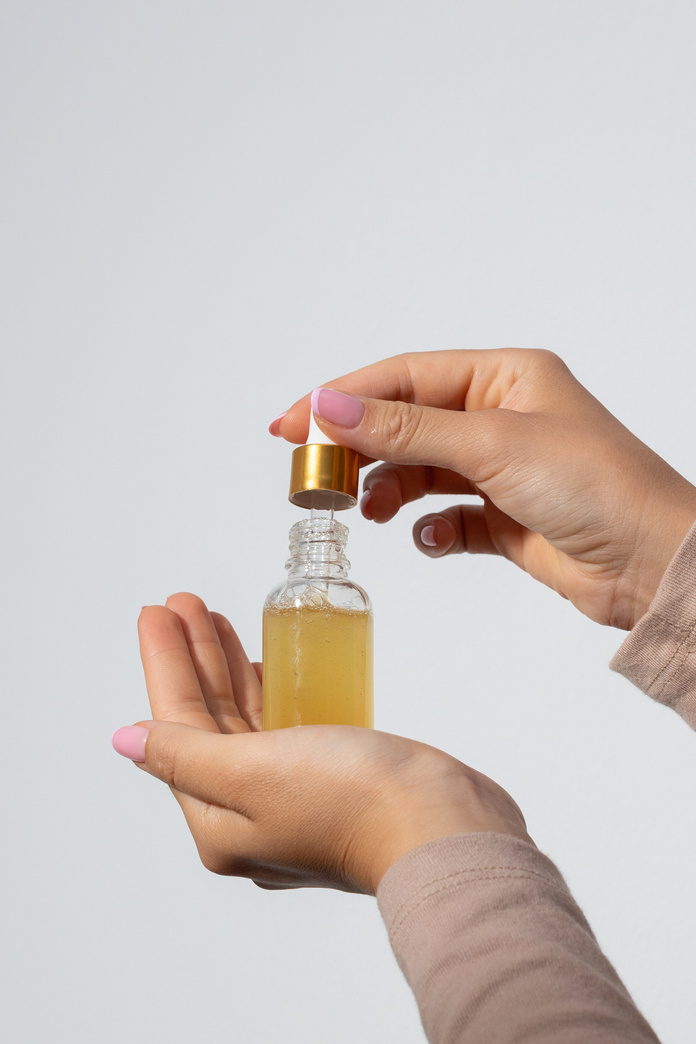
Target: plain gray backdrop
[{"x": 208, "y": 209}]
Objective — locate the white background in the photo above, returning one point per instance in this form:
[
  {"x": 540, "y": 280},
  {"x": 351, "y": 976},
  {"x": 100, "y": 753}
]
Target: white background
[{"x": 208, "y": 209}]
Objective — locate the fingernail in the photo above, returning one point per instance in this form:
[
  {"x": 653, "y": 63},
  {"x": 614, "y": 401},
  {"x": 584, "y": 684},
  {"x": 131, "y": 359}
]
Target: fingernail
[
  {"x": 273, "y": 426},
  {"x": 336, "y": 407},
  {"x": 427, "y": 535},
  {"x": 130, "y": 742},
  {"x": 365, "y": 504}
]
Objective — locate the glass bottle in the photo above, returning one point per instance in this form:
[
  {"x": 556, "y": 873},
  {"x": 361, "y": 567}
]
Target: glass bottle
[{"x": 317, "y": 635}]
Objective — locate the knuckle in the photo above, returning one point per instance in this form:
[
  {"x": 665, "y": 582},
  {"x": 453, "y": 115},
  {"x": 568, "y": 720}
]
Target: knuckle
[
  {"x": 489, "y": 442},
  {"x": 164, "y": 760},
  {"x": 547, "y": 360},
  {"x": 401, "y": 425},
  {"x": 402, "y": 368}
]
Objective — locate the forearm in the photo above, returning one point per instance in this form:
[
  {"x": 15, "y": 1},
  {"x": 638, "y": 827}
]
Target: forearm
[{"x": 495, "y": 948}]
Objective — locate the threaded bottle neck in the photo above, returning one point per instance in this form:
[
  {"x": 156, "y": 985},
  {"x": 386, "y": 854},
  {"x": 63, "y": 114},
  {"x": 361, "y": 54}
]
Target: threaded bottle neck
[{"x": 317, "y": 547}]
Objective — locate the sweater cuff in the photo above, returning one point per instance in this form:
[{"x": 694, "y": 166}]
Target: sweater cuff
[
  {"x": 659, "y": 654},
  {"x": 453, "y": 862}
]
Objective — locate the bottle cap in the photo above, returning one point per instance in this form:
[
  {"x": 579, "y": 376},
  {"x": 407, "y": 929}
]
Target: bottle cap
[{"x": 323, "y": 475}]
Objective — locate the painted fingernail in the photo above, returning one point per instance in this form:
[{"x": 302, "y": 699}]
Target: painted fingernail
[
  {"x": 427, "y": 535},
  {"x": 273, "y": 427},
  {"x": 130, "y": 742},
  {"x": 337, "y": 408},
  {"x": 365, "y": 504}
]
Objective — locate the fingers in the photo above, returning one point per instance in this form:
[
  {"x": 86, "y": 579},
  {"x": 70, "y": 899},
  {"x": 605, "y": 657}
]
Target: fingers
[
  {"x": 482, "y": 416},
  {"x": 209, "y": 660},
  {"x": 449, "y": 380},
  {"x": 186, "y": 667},
  {"x": 198, "y": 763},
  {"x": 266, "y": 805},
  {"x": 173, "y": 686},
  {"x": 485, "y": 530},
  {"x": 388, "y": 487},
  {"x": 244, "y": 676},
  {"x": 477, "y": 445},
  {"x": 454, "y": 531},
  {"x": 407, "y": 434},
  {"x": 202, "y": 776},
  {"x": 440, "y": 379},
  {"x": 474, "y": 530}
]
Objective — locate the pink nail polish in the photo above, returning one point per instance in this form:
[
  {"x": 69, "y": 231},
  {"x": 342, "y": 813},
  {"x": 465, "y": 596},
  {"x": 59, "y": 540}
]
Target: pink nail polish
[
  {"x": 365, "y": 504},
  {"x": 273, "y": 426},
  {"x": 427, "y": 535},
  {"x": 337, "y": 408},
  {"x": 130, "y": 742}
]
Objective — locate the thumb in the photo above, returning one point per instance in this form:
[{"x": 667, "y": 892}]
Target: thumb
[
  {"x": 405, "y": 433},
  {"x": 209, "y": 766}
]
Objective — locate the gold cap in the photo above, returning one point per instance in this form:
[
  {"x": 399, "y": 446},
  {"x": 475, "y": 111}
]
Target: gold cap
[{"x": 324, "y": 476}]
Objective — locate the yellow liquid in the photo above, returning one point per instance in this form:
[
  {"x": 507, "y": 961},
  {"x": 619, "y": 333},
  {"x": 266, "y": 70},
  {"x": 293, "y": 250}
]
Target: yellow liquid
[{"x": 317, "y": 666}]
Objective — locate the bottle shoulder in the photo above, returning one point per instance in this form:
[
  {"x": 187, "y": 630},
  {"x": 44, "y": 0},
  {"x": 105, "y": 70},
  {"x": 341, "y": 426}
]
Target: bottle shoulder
[{"x": 314, "y": 592}]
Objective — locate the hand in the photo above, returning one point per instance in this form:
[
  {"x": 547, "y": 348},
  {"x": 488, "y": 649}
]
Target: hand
[
  {"x": 569, "y": 494},
  {"x": 318, "y": 805}
]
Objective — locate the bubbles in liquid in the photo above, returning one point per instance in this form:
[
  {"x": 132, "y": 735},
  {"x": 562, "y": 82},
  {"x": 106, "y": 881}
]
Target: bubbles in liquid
[{"x": 317, "y": 667}]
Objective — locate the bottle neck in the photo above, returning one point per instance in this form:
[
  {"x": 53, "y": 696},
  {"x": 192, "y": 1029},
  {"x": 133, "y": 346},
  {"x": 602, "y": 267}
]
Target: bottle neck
[{"x": 317, "y": 547}]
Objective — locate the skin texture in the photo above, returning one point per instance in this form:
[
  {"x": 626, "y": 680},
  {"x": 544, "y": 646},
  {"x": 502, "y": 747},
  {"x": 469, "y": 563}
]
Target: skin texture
[
  {"x": 314, "y": 806},
  {"x": 562, "y": 488}
]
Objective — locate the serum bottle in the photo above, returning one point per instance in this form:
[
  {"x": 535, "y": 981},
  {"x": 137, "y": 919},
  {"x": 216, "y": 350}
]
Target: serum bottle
[{"x": 317, "y": 624}]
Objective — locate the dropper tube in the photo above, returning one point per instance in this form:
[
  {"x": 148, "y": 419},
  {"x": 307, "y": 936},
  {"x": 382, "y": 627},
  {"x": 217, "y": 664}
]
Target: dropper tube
[{"x": 316, "y": 513}]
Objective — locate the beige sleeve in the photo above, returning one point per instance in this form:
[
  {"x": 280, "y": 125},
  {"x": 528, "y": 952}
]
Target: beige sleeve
[
  {"x": 496, "y": 950},
  {"x": 659, "y": 655}
]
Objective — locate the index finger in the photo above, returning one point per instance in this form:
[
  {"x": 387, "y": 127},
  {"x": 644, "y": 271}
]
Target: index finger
[{"x": 458, "y": 379}]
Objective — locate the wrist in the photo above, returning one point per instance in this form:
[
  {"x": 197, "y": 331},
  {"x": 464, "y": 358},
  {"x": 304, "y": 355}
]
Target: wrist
[
  {"x": 459, "y": 802},
  {"x": 654, "y": 551}
]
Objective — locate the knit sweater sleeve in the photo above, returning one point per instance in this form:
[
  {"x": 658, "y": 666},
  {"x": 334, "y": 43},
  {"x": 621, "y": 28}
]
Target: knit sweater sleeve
[
  {"x": 497, "y": 951},
  {"x": 659, "y": 655}
]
